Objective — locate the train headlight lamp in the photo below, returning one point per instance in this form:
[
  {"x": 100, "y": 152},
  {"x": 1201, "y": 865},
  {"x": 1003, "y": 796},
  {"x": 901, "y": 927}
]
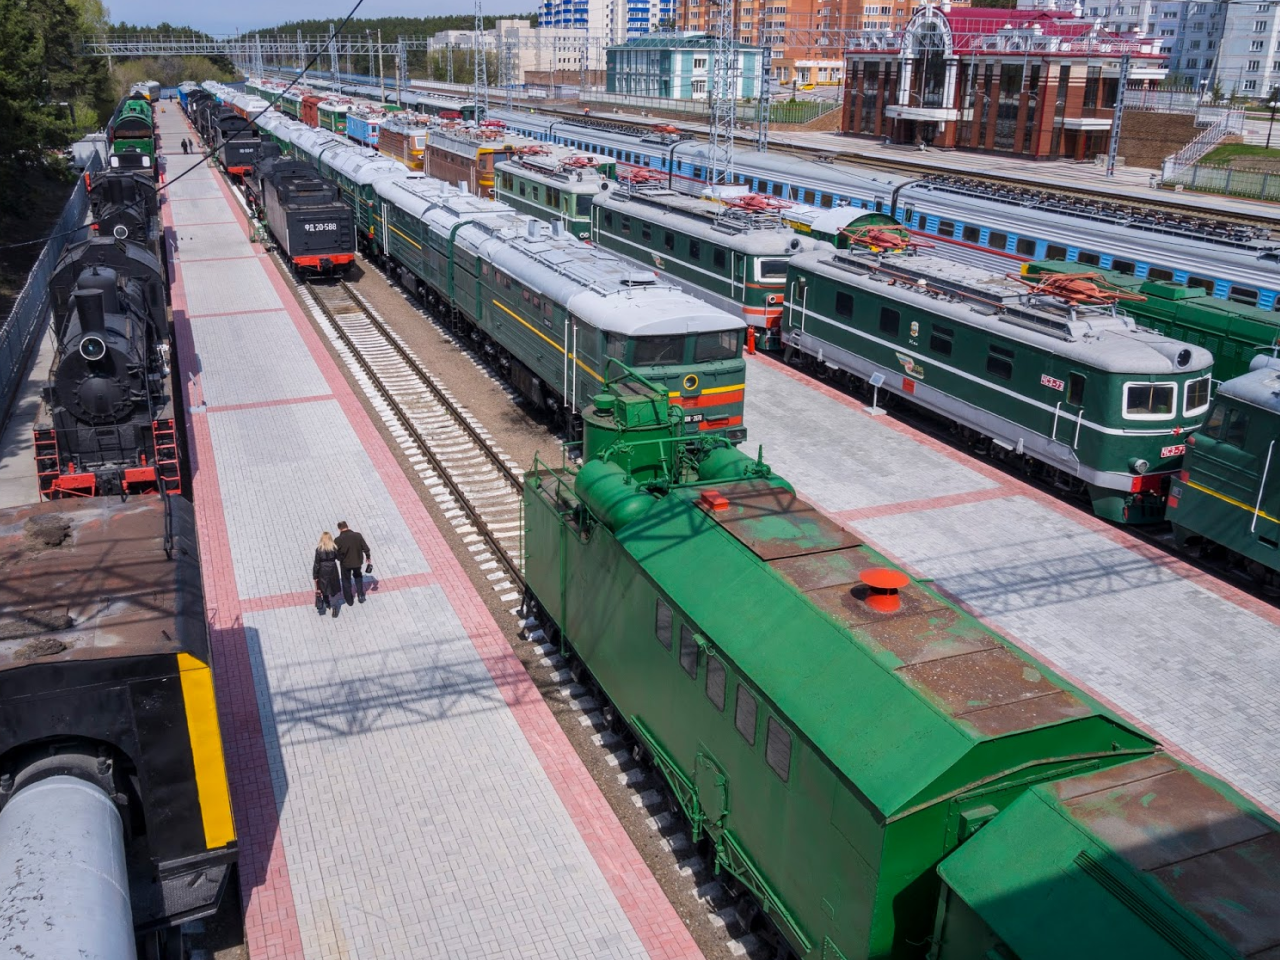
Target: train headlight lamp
[
  {"x": 93, "y": 348},
  {"x": 1139, "y": 466},
  {"x": 121, "y": 232}
]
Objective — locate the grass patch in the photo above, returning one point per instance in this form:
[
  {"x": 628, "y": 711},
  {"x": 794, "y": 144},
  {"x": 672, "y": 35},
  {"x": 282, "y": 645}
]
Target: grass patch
[{"x": 1237, "y": 151}]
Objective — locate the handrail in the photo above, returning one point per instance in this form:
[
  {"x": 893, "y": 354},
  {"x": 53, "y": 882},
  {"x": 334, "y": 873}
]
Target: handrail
[{"x": 1262, "y": 486}]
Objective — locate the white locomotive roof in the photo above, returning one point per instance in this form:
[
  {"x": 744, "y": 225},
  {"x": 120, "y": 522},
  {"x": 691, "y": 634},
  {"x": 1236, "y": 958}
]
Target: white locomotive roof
[
  {"x": 415, "y": 193},
  {"x": 1259, "y": 387},
  {"x": 1095, "y": 336},
  {"x": 314, "y": 141},
  {"x": 365, "y": 166}
]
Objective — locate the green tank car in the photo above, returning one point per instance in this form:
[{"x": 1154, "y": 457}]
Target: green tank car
[
  {"x": 830, "y": 726},
  {"x": 1233, "y": 332}
]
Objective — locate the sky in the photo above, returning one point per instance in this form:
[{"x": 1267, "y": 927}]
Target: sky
[{"x": 228, "y": 16}]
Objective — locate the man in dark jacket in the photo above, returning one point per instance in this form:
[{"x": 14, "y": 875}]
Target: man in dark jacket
[{"x": 352, "y": 551}]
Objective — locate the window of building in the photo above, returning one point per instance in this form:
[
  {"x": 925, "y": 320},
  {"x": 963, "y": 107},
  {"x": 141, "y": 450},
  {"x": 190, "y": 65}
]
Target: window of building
[
  {"x": 890, "y": 321},
  {"x": 1193, "y": 62},
  {"x": 1000, "y": 362},
  {"x": 688, "y": 651},
  {"x": 1261, "y": 26},
  {"x": 697, "y": 86},
  {"x": 1196, "y": 400},
  {"x": 844, "y": 304},
  {"x": 662, "y": 625},
  {"x": 1195, "y": 44},
  {"x": 1256, "y": 46},
  {"x": 777, "y": 749},
  {"x": 1169, "y": 32},
  {"x": 1149, "y": 401},
  {"x": 997, "y": 241},
  {"x": 699, "y": 63},
  {"x": 1253, "y": 66},
  {"x": 715, "y": 683},
  {"x": 1169, "y": 15},
  {"x": 1250, "y": 86},
  {"x": 744, "y": 715},
  {"x": 941, "y": 339}
]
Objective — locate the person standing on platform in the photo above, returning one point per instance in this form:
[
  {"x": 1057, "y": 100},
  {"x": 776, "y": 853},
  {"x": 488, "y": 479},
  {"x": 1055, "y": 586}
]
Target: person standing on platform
[
  {"x": 324, "y": 571},
  {"x": 184, "y": 145},
  {"x": 354, "y": 551}
]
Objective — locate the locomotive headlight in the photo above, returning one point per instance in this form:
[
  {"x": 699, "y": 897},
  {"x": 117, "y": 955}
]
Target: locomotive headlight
[
  {"x": 1139, "y": 466},
  {"x": 93, "y": 348}
]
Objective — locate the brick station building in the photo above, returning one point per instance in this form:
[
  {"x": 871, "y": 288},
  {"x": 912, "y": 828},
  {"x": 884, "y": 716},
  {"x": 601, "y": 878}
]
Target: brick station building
[{"x": 1039, "y": 84}]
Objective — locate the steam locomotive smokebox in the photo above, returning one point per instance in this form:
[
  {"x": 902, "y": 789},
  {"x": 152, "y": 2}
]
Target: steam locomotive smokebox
[{"x": 76, "y": 268}]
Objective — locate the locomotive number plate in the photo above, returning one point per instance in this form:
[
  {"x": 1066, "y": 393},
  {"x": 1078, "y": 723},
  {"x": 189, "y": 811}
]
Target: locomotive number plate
[
  {"x": 693, "y": 418},
  {"x": 319, "y": 227},
  {"x": 1175, "y": 451},
  {"x": 1051, "y": 382}
]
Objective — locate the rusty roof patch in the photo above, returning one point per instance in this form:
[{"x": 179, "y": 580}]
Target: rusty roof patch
[
  {"x": 1211, "y": 854},
  {"x": 774, "y": 523},
  {"x": 90, "y": 578}
]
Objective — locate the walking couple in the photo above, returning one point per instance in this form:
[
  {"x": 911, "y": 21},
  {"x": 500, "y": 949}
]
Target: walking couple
[{"x": 337, "y": 564}]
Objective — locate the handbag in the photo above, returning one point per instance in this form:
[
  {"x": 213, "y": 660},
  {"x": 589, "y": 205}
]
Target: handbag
[{"x": 321, "y": 602}]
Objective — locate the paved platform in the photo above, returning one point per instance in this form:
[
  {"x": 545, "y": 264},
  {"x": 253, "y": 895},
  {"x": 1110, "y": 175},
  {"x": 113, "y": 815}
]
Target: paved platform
[
  {"x": 1183, "y": 653},
  {"x": 400, "y": 787},
  {"x": 18, "y": 481}
]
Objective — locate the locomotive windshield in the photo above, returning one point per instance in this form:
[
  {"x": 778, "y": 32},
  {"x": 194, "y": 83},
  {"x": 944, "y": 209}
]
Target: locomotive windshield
[
  {"x": 773, "y": 269},
  {"x": 1197, "y": 398},
  {"x": 657, "y": 351},
  {"x": 1149, "y": 401},
  {"x": 716, "y": 346}
]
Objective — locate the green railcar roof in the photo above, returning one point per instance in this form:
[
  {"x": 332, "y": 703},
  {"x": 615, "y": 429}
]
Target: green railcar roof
[
  {"x": 910, "y": 705},
  {"x": 1147, "y": 859}
]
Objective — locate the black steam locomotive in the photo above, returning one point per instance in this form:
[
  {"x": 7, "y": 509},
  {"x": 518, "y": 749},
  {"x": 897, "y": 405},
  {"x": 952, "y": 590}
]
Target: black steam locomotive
[
  {"x": 233, "y": 138},
  {"x": 311, "y": 223},
  {"x": 124, "y": 204},
  {"x": 107, "y": 424}
]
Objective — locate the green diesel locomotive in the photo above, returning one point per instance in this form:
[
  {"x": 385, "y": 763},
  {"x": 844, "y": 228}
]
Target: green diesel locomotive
[
  {"x": 1228, "y": 492},
  {"x": 833, "y": 730},
  {"x": 1232, "y": 331},
  {"x": 132, "y": 128},
  {"x": 1051, "y": 376}
]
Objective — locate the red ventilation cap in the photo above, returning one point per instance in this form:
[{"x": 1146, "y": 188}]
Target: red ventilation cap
[{"x": 884, "y": 584}]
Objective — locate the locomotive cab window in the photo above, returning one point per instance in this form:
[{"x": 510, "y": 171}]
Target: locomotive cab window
[
  {"x": 718, "y": 258},
  {"x": 1075, "y": 389},
  {"x": 662, "y": 625},
  {"x": 890, "y": 321},
  {"x": 1149, "y": 401},
  {"x": 1196, "y": 399},
  {"x": 744, "y": 715},
  {"x": 716, "y": 346},
  {"x": 688, "y": 651},
  {"x": 615, "y": 345},
  {"x": 608, "y": 219},
  {"x": 771, "y": 269},
  {"x": 1227, "y": 424},
  {"x": 777, "y": 749},
  {"x": 715, "y": 683},
  {"x": 584, "y": 205},
  {"x": 657, "y": 351}
]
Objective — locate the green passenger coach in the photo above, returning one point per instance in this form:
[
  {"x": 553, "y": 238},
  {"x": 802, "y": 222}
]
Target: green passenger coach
[{"x": 1052, "y": 377}]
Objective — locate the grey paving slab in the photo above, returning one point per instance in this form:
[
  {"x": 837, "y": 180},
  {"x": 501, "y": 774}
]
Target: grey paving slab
[
  {"x": 840, "y": 456},
  {"x": 1198, "y": 669},
  {"x": 398, "y": 755},
  {"x": 238, "y": 359},
  {"x": 229, "y": 286},
  {"x": 295, "y": 471},
  {"x": 214, "y": 241},
  {"x": 211, "y": 210}
]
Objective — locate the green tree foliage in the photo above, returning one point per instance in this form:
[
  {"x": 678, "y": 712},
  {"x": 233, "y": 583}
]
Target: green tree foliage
[{"x": 49, "y": 94}]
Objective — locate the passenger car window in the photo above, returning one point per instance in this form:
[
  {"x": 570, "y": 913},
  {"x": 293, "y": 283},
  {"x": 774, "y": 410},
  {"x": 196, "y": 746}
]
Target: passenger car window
[
  {"x": 1091, "y": 259},
  {"x": 1149, "y": 401},
  {"x": 971, "y": 234},
  {"x": 997, "y": 241}
]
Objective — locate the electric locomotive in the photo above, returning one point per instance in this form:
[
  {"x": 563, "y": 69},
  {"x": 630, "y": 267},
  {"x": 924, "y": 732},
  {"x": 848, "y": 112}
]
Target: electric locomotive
[
  {"x": 734, "y": 253},
  {"x": 115, "y": 809},
  {"x": 553, "y": 183},
  {"x": 311, "y": 224},
  {"x": 1227, "y": 495},
  {"x": 1052, "y": 375},
  {"x": 107, "y": 420},
  {"x": 881, "y": 773}
]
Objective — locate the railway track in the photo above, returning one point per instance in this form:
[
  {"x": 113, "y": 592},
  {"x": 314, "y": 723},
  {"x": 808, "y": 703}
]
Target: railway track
[{"x": 470, "y": 478}]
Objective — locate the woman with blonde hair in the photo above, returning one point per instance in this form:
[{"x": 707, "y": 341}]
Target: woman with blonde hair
[{"x": 324, "y": 571}]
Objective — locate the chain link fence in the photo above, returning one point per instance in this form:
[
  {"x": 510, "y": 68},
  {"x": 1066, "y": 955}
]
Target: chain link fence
[{"x": 25, "y": 321}]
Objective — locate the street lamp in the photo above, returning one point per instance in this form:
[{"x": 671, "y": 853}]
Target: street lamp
[{"x": 1273, "y": 105}]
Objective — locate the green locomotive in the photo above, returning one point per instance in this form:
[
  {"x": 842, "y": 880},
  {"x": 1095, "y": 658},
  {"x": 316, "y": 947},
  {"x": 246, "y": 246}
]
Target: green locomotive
[
  {"x": 732, "y": 255},
  {"x": 132, "y": 127},
  {"x": 1228, "y": 492},
  {"x": 554, "y": 183},
  {"x": 1232, "y": 332},
  {"x": 831, "y": 729},
  {"x": 1052, "y": 377}
]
